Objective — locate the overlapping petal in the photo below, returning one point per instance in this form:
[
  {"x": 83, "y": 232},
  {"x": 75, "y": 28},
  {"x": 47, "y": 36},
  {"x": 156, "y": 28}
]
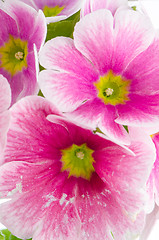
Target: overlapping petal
[
  {"x": 133, "y": 33},
  {"x": 119, "y": 49},
  {"x": 94, "y": 40},
  {"x": 93, "y": 5},
  {"x": 68, "y": 8},
  {"x": 24, "y": 29},
  {"x": 46, "y": 203}
]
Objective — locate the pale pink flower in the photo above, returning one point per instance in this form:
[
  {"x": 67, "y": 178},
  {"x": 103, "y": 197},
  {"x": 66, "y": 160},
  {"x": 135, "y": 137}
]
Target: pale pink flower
[
  {"x": 93, "y": 5},
  {"x": 56, "y": 10},
  {"x": 67, "y": 183},
  {"x": 153, "y": 182},
  {"x": 5, "y": 100},
  {"x": 108, "y": 75},
  {"x": 22, "y": 31}
]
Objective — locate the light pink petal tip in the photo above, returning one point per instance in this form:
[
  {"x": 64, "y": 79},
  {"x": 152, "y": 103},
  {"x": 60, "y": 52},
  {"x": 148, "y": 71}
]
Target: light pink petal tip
[
  {"x": 5, "y": 101},
  {"x": 93, "y": 5},
  {"x": 130, "y": 37},
  {"x": 94, "y": 40}
]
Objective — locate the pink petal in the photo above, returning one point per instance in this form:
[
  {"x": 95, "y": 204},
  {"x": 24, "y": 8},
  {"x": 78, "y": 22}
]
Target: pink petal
[
  {"x": 4, "y": 125},
  {"x": 45, "y": 203},
  {"x": 144, "y": 81},
  {"x": 8, "y": 26},
  {"x": 153, "y": 182},
  {"x": 93, "y": 37},
  {"x": 88, "y": 113},
  {"x": 31, "y": 25},
  {"x": 131, "y": 38},
  {"x": 5, "y": 96},
  {"x": 32, "y": 192},
  {"x": 140, "y": 164},
  {"x": 25, "y": 114},
  {"x": 93, "y": 5},
  {"x": 70, "y": 6},
  {"x": 115, "y": 131},
  {"x": 64, "y": 90},
  {"x": 5, "y": 100},
  {"x": 94, "y": 113},
  {"x": 145, "y": 114},
  {"x": 68, "y": 59},
  {"x": 149, "y": 223}
]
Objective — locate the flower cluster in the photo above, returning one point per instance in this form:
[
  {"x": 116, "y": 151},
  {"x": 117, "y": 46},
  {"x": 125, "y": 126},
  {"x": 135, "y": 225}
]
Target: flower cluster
[{"x": 79, "y": 119}]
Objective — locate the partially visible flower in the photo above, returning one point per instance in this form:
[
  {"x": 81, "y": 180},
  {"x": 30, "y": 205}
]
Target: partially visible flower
[
  {"x": 22, "y": 31},
  {"x": 150, "y": 221},
  {"x": 66, "y": 182},
  {"x": 100, "y": 79},
  {"x": 56, "y": 10},
  {"x": 93, "y": 5},
  {"x": 153, "y": 182},
  {"x": 5, "y": 100}
]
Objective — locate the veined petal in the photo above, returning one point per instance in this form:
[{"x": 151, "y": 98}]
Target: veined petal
[
  {"x": 31, "y": 182},
  {"x": 130, "y": 37},
  {"x": 54, "y": 199},
  {"x": 52, "y": 58},
  {"x": 67, "y": 91},
  {"x": 144, "y": 81},
  {"x": 115, "y": 131},
  {"x": 93, "y": 5},
  {"x": 27, "y": 29},
  {"x": 145, "y": 114},
  {"x": 8, "y": 26},
  {"x": 23, "y": 129},
  {"x": 93, "y": 37}
]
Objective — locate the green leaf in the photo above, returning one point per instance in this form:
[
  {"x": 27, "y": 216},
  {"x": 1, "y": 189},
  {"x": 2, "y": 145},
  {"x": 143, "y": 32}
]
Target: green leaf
[
  {"x": 126, "y": 128},
  {"x": 5, "y": 234},
  {"x": 63, "y": 28},
  {"x": 40, "y": 93}
]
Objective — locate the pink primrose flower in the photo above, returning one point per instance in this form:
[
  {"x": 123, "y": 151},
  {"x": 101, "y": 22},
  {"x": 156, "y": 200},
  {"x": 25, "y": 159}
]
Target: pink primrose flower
[
  {"x": 5, "y": 100},
  {"x": 65, "y": 182},
  {"x": 56, "y": 10},
  {"x": 23, "y": 30},
  {"x": 108, "y": 75},
  {"x": 93, "y": 5}
]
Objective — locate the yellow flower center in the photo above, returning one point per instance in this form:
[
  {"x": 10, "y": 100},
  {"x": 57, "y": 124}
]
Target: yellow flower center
[
  {"x": 112, "y": 89},
  {"x": 78, "y": 161},
  {"x": 13, "y": 55},
  {"x": 52, "y": 11}
]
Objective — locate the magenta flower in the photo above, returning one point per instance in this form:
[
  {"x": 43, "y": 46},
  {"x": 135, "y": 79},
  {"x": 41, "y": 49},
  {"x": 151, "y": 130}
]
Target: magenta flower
[
  {"x": 22, "y": 30},
  {"x": 99, "y": 77},
  {"x": 56, "y": 10},
  {"x": 93, "y": 5},
  {"x": 5, "y": 100},
  {"x": 66, "y": 182}
]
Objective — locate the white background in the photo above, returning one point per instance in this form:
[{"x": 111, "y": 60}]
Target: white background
[{"x": 151, "y": 7}]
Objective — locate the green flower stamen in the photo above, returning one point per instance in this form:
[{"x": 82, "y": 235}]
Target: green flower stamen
[
  {"x": 78, "y": 161},
  {"x": 112, "y": 89},
  {"x": 52, "y": 11},
  {"x": 13, "y": 55}
]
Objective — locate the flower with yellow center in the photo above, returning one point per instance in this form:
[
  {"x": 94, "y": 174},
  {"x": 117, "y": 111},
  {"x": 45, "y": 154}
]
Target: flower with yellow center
[
  {"x": 52, "y": 11},
  {"x": 78, "y": 161},
  {"x": 112, "y": 89},
  {"x": 13, "y": 55}
]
